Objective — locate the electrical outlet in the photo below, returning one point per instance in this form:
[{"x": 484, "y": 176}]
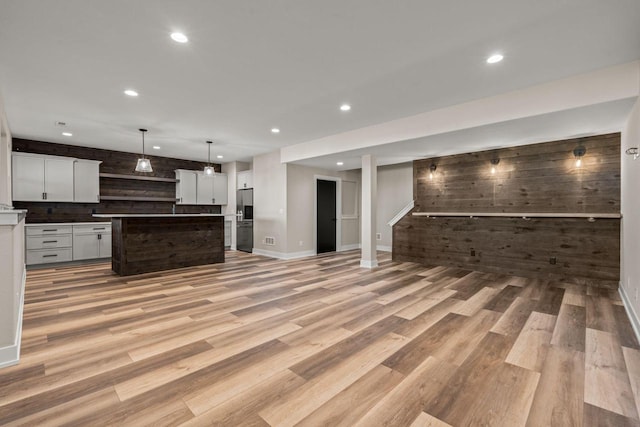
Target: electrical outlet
[
  {"x": 472, "y": 252},
  {"x": 553, "y": 260},
  {"x": 378, "y": 236}
]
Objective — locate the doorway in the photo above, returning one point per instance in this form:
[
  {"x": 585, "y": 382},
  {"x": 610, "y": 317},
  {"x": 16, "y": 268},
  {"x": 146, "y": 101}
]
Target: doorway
[{"x": 325, "y": 216}]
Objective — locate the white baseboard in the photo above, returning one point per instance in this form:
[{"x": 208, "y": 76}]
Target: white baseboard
[
  {"x": 384, "y": 248},
  {"x": 633, "y": 316},
  {"x": 283, "y": 255},
  {"x": 10, "y": 355},
  {"x": 349, "y": 247},
  {"x": 368, "y": 264}
]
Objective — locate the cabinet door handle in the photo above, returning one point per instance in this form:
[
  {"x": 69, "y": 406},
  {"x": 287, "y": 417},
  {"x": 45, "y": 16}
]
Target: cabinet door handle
[
  {"x": 49, "y": 256},
  {"x": 49, "y": 229},
  {"x": 99, "y": 236},
  {"x": 49, "y": 241},
  {"x": 213, "y": 200},
  {"x": 99, "y": 228},
  {"x": 44, "y": 196}
]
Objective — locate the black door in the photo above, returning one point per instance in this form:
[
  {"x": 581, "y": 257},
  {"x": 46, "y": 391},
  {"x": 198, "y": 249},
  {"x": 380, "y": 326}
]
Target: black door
[{"x": 326, "y": 216}]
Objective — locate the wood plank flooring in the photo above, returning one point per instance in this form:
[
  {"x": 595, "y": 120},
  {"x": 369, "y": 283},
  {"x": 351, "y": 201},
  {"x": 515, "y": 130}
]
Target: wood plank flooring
[{"x": 319, "y": 342}]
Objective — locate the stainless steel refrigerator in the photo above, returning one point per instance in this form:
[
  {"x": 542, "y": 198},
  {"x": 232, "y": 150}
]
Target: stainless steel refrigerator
[{"x": 244, "y": 233}]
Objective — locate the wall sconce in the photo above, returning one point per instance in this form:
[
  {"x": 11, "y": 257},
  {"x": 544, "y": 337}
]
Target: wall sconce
[
  {"x": 494, "y": 163},
  {"x": 578, "y": 153},
  {"x": 633, "y": 151},
  {"x": 432, "y": 170}
]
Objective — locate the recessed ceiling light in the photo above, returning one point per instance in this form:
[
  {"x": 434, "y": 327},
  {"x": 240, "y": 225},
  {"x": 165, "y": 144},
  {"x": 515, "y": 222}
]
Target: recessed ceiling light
[
  {"x": 340, "y": 163},
  {"x": 345, "y": 107},
  {"x": 67, "y": 134},
  {"x": 130, "y": 92},
  {"x": 179, "y": 37},
  {"x": 275, "y": 130},
  {"x": 220, "y": 156},
  {"x": 156, "y": 147},
  {"x": 494, "y": 58}
]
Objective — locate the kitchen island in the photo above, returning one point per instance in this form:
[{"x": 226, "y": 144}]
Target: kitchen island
[{"x": 142, "y": 243}]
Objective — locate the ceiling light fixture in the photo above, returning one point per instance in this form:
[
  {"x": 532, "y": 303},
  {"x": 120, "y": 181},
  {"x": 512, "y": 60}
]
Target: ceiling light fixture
[
  {"x": 633, "y": 151},
  {"x": 339, "y": 163},
  {"x": 67, "y": 134},
  {"x": 131, "y": 92},
  {"x": 179, "y": 37},
  {"x": 494, "y": 163},
  {"x": 144, "y": 164},
  {"x": 209, "y": 170},
  {"x": 495, "y": 58},
  {"x": 432, "y": 170},
  {"x": 275, "y": 130},
  {"x": 156, "y": 147},
  {"x": 220, "y": 156},
  {"x": 345, "y": 107},
  {"x": 578, "y": 153}
]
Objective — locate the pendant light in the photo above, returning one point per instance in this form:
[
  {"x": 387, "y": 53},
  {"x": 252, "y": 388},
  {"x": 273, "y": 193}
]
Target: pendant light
[
  {"x": 144, "y": 164},
  {"x": 209, "y": 170}
]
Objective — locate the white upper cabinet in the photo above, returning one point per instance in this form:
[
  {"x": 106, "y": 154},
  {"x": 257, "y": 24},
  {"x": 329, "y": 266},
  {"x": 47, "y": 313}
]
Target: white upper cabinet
[
  {"x": 212, "y": 190},
  {"x": 245, "y": 180},
  {"x": 86, "y": 181},
  {"x": 220, "y": 189},
  {"x": 39, "y": 178},
  {"x": 186, "y": 188}
]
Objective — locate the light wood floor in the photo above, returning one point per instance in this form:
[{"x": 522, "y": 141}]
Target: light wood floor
[{"x": 319, "y": 342}]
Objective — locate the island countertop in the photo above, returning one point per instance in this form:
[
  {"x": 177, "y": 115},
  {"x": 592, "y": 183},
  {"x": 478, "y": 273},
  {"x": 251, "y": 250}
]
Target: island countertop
[
  {"x": 142, "y": 243},
  {"x": 116, "y": 215}
]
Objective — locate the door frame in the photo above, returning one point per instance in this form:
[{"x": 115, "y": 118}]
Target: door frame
[{"x": 338, "y": 181}]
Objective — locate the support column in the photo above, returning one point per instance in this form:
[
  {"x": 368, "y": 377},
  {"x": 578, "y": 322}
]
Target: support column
[{"x": 369, "y": 257}]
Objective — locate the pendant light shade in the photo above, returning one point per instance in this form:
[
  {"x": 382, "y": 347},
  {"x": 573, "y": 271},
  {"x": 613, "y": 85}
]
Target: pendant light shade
[
  {"x": 209, "y": 170},
  {"x": 144, "y": 164}
]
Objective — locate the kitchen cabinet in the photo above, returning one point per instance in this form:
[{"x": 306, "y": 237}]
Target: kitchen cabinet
[
  {"x": 186, "y": 187},
  {"x": 245, "y": 180},
  {"x": 211, "y": 190},
  {"x": 91, "y": 241},
  {"x": 227, "y": 233},
  {"x": 48, "y": 243},
  {"x": 86, "y": 181},
  {"x": 39, "y": 178}
]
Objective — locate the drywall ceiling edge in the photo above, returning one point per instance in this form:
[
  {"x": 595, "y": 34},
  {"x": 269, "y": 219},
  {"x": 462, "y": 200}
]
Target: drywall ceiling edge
[{"x": 609, "y": 84}]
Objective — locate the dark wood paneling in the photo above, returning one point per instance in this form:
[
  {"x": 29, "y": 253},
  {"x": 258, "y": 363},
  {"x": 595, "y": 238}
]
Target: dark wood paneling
[
  {"x": 115, "y": 162},
  {"x": 533, "y": 178},
  {"x": 584, "y": 252},
  {"x": 142, "y": 245}
]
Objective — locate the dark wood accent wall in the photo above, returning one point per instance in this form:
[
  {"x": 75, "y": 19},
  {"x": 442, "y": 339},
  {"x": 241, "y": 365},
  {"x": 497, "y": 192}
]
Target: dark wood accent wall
[
  {"x": 115, "y": 162},
  {"x": 142, "y": 245},
  {"x": 529, "y": 179}
]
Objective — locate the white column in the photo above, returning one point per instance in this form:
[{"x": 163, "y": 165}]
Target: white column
[{"x": 369, "y": 206}]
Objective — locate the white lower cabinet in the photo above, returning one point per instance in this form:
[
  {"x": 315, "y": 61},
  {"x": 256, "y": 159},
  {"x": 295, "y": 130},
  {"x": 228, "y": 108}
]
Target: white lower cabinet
[
  {"x": 62, "y": 242},
  {"x": 48, "y": 243},
  {"x": 91, "y": 241},
  {"x": 227, "y": 234}
]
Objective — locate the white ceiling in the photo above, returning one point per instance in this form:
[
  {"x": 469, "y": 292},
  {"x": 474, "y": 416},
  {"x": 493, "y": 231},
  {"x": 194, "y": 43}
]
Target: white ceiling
[{"x": 255, "y": 64}]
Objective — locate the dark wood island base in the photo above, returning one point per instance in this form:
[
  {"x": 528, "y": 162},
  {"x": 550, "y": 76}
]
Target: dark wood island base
[{"x": 147, "y": 243}]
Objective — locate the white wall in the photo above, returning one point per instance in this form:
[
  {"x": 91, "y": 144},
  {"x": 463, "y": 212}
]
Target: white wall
[
  {"x": 301, "y": 184},
  {"x": 630, "y": 239},
  {"x": 395, "y": 191},
  {"x": 12, "y": 268},
  {"x": 270, "y": 203}
]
